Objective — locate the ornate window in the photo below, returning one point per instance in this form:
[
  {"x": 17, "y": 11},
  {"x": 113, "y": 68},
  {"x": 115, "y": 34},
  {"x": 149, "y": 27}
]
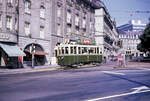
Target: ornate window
[
  {"x": 77, "y": 20},
  {"x": 68, "y": 16},
  {"x": 42, "y": 12},
  {"x": 9, "y": 23},
  {"x": 27, "y": 28},
  {"x": 42, "y": 32},
  {"x": 68, "y": 29},
  {"x": 58, "y": 11},
  {"x": 58, "y": 29},
  {"x": 27, "y": 6},
  {"x": 9, "y": 2}
]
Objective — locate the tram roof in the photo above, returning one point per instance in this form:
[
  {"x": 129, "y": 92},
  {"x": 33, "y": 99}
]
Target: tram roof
[{"x": 68, "y": 45}]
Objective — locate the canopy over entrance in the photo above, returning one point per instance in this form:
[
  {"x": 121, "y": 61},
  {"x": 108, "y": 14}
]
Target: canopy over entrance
[{"x": 12, "y": 50}]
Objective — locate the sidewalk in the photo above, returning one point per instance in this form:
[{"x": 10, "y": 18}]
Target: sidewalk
[
  {"x": 108, "y": 66},
  {"x": 128, "y": 65},
  {"x": 138, "y": 64},
  {"x": 30, "y": 69}
]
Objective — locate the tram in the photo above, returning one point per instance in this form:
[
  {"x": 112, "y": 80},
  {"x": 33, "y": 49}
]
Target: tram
[{"x": 73, "y": 54}]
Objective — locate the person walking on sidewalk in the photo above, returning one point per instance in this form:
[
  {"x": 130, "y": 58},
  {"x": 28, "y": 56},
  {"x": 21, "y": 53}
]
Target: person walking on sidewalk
[{"x": 120, "y": 61}]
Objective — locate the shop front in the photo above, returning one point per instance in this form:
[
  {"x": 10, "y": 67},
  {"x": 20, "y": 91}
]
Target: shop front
[
  {"x": 10, "y": 55},
  {"x": 35, "y": 55}
]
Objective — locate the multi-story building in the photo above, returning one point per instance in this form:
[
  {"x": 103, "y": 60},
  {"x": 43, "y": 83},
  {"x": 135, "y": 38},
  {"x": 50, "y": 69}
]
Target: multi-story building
[
  {"x": 9, "y": 51},
  {"x": 37, "y": 26},
  {"x": 129, "y": 35},
  {"x": 35, "y": 30},
  {"x": 106, "y": 33},
  {"x": 133, "y": 25},
  {"x": 73, "y": 21}
]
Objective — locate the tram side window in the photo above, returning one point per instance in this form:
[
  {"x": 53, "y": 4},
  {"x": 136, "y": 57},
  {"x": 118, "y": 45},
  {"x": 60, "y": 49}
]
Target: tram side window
[
  {"x": 79, "y": 50},
  {"x": 91, "y": 51},
  {"x": 66, "y": 50},
  {"x": 84, "y": 50},
  {"x": 71, "y": 50},
  {"x": 75, "y": 50},
  {"x": 59, "y": 51},
  {"x": 97, "y": 50},
  {"x": 62, "y": 50}
]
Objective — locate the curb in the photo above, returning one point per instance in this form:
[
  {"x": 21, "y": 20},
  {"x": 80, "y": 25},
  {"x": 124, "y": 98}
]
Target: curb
[{"x": 29, "y": 70}]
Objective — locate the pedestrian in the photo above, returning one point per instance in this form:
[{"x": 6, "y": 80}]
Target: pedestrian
[
  {"x": 20, "y": 61},
  {"x": 120, "y": 61}
]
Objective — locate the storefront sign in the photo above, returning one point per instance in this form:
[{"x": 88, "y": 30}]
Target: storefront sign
[
  {"x": 4, "y": 36},
  {"x": 81, "y": 35},
  {"x": 86, "y": 41},
  {"x": 67, "y": 41}
]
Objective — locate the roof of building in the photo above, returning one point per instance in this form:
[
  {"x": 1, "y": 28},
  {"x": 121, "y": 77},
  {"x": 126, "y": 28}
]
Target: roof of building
[
  {"x": 96, "y": 4},
  {"x": 131, "y": 32},
  {"x": 132, "y": 26}
]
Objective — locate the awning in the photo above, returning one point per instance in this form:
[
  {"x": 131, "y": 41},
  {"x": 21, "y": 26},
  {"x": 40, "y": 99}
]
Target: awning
[
  {"x": 36, "y": 52},
  {"x": 12, "y": 50},
  {"x": 40, "y": 53}
]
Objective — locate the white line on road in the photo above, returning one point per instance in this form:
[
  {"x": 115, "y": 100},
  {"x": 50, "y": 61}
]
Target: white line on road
[
  {"x": 110, "y": 72},
  {"x": 145, "y": 69},
  {"x": 137, "y": 90}
]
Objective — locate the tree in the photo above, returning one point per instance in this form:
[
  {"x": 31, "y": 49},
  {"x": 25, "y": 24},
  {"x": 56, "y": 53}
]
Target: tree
[{"x": 144, "y": 46}]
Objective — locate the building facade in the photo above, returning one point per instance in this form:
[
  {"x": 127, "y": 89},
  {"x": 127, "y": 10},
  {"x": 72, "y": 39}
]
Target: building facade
[
  {"x": 9, "y": 50},
  {"x": 35, "y": 30},
  {"x": 129, "y": 35},
  {"x": 36, "y": 27},
  {"x": 106, "y": 34}
]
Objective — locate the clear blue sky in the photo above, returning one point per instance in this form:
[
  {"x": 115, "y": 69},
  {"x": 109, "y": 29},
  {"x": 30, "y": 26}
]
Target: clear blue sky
[{"x": 121, "y": 10}]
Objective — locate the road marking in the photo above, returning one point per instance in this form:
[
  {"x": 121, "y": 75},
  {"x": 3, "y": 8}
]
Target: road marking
[
  {"x": 110, "y": 72},
  {"x": 137, "y": 90},
  {"x": 145, "y": 69}
]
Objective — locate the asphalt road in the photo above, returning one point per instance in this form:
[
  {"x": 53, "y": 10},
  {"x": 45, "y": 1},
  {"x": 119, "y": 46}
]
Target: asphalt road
[{"x": 86, "y": 84}]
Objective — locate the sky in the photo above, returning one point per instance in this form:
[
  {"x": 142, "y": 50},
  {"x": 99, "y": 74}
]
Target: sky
[{"x": 124, "y": 10}]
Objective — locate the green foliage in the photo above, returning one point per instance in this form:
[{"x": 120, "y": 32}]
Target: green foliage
[{"x": 145, "y": 40}]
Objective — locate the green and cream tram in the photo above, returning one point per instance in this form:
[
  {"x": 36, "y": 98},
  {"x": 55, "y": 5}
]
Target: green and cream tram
[{"x": 69, "y": 54}]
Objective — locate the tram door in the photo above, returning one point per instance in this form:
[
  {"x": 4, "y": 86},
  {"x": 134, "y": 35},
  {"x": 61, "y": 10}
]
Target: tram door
[{"x": 56, "y": 55}]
